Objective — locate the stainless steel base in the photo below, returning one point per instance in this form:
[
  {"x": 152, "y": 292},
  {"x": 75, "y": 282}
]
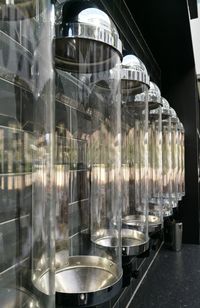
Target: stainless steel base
[
  {"x": 155, "y": 224},
  {"x": 87, "y": 280},
  {"x": 134, "y": 220},
  {"x": 106, "y": 238},
  {"x": 133, "y": 242}
]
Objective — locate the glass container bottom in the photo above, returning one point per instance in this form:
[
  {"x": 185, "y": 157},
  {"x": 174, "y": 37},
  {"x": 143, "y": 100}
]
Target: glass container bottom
[
  {"x": 134, "y": 242},
  {"x": 19, "y": 297},
  {"x": 84, "y": 274},
  {"x": 155, "y": 223},
  {"x": 106, "y": 238},
  {"x": 134, "y": 220}
]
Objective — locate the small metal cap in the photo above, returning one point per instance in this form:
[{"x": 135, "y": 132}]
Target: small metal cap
[
  {"x": 180, "y": 126},
  {"x": 133, "y": 74},
  {"x": 173, "y": 116},
  {"x": 86, "y": 39},
  {"x": 154, "y": 96},
  {"x": 165, "y": 107}
]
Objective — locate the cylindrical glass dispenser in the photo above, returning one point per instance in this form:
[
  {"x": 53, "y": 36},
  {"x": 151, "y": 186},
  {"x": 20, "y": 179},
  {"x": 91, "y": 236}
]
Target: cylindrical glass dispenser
[
  {"x": 182, "y": 142},
  {"x": 174, "y": 157},
  {"x": 166, "y": 158},
  {"x": 134, "y": 88},
  {"x": 155, "y": 217},
  {"x": 27, "y": 223},
  {"x": 88, "y": 254},
  {"x": 181, "y": 154}
]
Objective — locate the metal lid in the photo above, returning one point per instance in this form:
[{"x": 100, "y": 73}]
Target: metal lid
[
  {"x": 154, "y": 96},
  {"x": 133, "y": 74},
  {"x": 17, "y": 9},
  {"x": 83, "y": 30},
  {"x": 165, "y": 107},
  {"x": 173, "y": 116},
  {"x": 180, "y": 126}
]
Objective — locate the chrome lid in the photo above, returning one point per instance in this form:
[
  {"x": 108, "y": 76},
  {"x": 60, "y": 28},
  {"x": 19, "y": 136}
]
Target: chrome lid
[
  {"x": 173, "y": 116},
  {"x": 180, "y": 126},
  {"x": 133, "y": 74},
  {"x": 165, "y": 107},
  {"x": 83, "y": 29},
  {"x": 154, "y": 96},
  {"x": 17, "y": 9}
]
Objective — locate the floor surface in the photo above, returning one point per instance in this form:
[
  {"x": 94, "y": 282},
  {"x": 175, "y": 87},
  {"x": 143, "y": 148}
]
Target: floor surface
[{"x": 173, "y": 280}]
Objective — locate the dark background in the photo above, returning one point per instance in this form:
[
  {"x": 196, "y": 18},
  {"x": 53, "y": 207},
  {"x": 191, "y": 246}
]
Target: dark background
[{"x": 166, "y": 29}]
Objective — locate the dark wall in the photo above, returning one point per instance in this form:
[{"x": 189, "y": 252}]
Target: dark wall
[{"x": 165, "y": 27}]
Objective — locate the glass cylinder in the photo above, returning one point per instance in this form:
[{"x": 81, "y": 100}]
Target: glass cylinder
[
  {"x": 88, "y": 128},
  {"x": 182, "y": 142},
  {"x": 155, "y": 217},
  {"x": 174, "y": 158},
  {"x": 27, "y": 139},
  {"x": 181, "y": 161},
  {"x": 134, "y": 88},
  {"x": 166, "y": 158}
]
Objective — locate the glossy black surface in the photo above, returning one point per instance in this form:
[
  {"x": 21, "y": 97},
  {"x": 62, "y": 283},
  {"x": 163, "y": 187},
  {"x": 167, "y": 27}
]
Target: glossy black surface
[{"x": 173, "y": 281}]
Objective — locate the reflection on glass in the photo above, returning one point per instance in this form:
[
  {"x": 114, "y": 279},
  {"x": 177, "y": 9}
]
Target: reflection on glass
[
  {"x": 174, "y": 158},
  {"x": 155, "y": 159},
  {"x": 88, "y": 229},
  {"x": 134, "y": 156},
  {"x": 26, "y": 154},
  {"x": 166, "y": 158}
]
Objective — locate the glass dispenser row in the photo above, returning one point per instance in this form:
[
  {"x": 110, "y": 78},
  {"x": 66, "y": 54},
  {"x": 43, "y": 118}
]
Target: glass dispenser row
[{"x": 92, "y": 146}]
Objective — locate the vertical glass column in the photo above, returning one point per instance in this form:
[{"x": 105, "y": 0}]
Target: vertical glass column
[
  {"x": 27, "y": 139},
  {"x": 166, "y": 158},
  {"x": 88, "y": 105},
  {"x": 182, "y": 131},
  {"x": 181, "y": 158},
  {"x": 174, "y": 157},
  {"x": 155, "y": 217},
  {"x": 134, "y": 88}
]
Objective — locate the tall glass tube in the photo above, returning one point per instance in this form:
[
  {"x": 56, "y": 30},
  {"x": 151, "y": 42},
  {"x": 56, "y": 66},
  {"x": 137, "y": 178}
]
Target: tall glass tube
[
  {"x": 174, "y": 157},
  {"x": 166, "y": 158},
  {"x": 88, "y": 118},
  {"x": 182, "y": 137},
  {"x": 27, "y": 160},
  {"x": 134, "y": 87},
  {"x": 155, "y": 217}
]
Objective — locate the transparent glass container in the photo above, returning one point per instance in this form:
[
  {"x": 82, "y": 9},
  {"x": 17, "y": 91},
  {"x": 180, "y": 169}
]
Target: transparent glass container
[
  {"x": 166, "y": 158},
  {"x": 182, "y": 149},
  {"x": 27, "y": 138},
  {"x": 174, "y": 157},
  {"x": 88, "y": 156},
  {"x": 134, "y": 88},
  {"x": 155, "y": 186},
  {"x": 181, "y": 161}
]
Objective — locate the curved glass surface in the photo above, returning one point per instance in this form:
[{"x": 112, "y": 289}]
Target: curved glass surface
[
  {"x": 155, "y": 168},
  {"x": 26, "y": 172},
  {"x": 174, "y": 159},
  {"x": 135, "y": 172},
  {"x": 88, "y": 160},
  {"x": 166, "y": 162}
]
